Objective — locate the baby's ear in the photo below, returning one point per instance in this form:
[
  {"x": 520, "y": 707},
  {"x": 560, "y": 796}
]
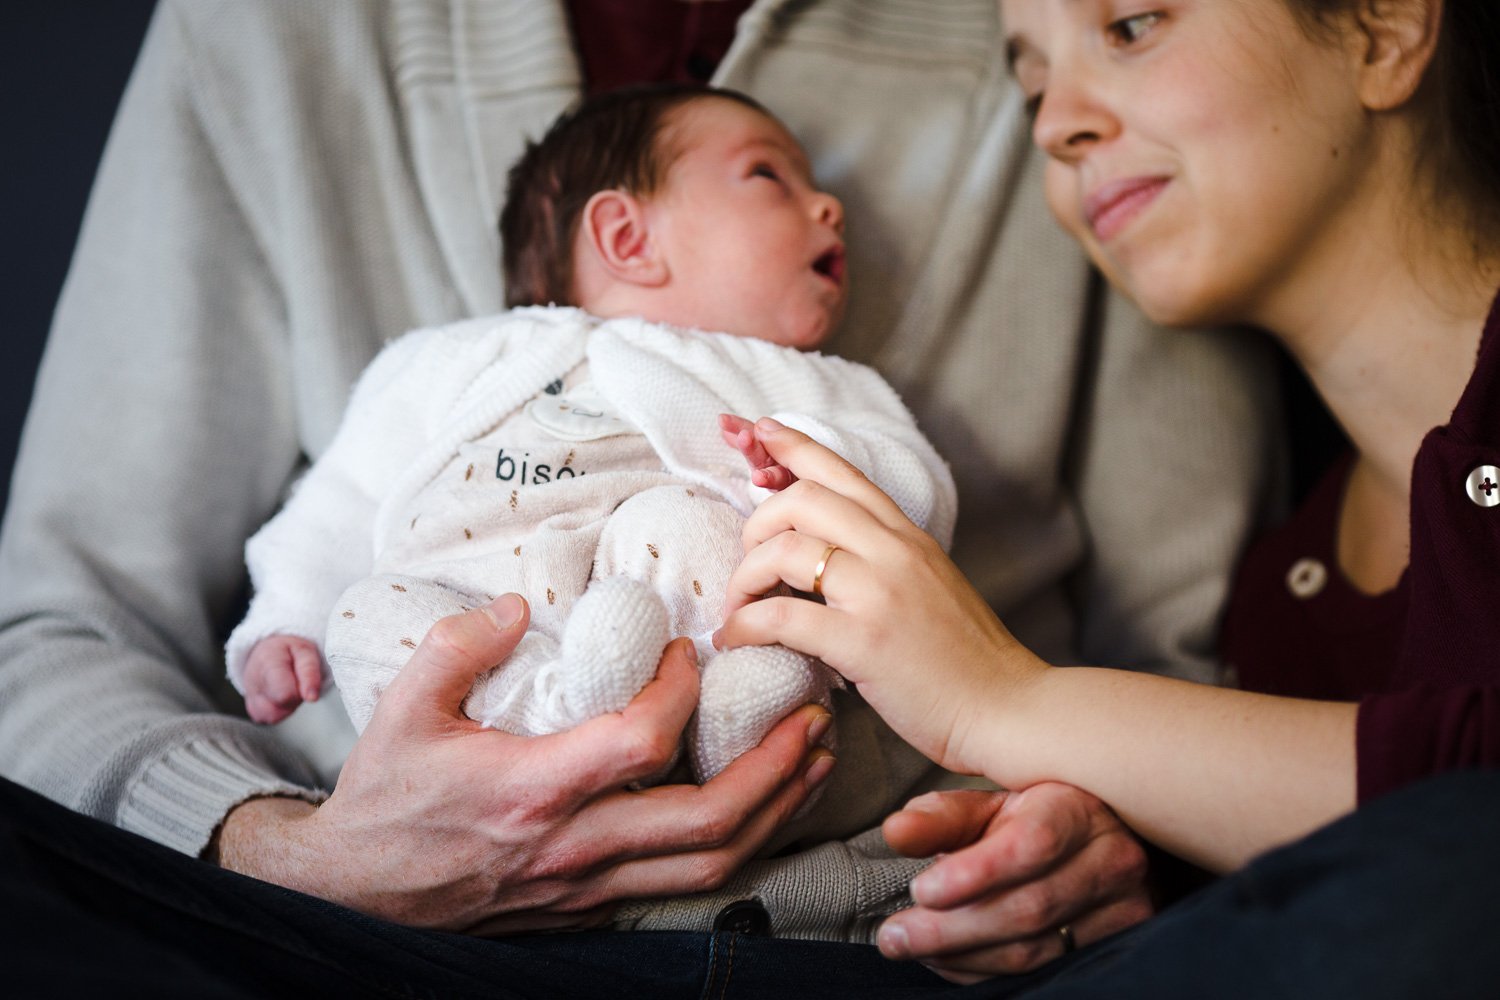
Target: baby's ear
[{"x": 616, "y": 230}]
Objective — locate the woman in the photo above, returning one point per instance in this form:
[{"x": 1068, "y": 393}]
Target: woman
[{"x": 1325, "y": 170}]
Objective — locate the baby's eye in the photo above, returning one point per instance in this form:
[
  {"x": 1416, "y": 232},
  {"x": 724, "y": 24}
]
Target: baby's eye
[
  {"x": 1128, "y": 30},
  {"x": 765, "y": 170}
]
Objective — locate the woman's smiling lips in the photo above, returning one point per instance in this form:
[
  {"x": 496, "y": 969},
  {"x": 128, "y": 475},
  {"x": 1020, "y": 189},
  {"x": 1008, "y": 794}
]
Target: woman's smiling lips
[{"x": 1111, "y": 207}]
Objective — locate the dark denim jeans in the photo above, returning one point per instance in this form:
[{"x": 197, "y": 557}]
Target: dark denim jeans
[{"x": 1400, "y": 900}]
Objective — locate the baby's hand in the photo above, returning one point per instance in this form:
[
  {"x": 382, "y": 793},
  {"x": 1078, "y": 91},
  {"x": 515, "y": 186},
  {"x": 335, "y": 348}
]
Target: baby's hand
[
  {"x": 765, "y": 471},
  {"x": 281, "y": 673}
]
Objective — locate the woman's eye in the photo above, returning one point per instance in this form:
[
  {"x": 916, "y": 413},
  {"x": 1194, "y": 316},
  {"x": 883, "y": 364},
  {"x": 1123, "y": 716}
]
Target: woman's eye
[
  {"x": 1034, "y": 105},
  {"x": 1128, "y": 30}
]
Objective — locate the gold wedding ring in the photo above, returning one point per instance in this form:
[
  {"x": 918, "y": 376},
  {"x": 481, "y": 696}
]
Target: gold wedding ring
[
  {"x": 817, "y": 587},
  {"x": 1069, "y": 942}
]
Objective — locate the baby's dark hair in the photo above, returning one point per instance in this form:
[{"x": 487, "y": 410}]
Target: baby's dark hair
[{"x": 612, "y": 141}]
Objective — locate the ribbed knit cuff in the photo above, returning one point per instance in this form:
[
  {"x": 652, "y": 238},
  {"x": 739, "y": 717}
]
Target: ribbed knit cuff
[{"x": 179, "y": 797}]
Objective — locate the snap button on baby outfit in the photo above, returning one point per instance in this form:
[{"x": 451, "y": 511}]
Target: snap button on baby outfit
[
  {"x": 1306, "y": 578},
  {"x": 1483, "y": 486},
  {"x": 745, "y": 916},
  {"x": 579, "y": 414}
]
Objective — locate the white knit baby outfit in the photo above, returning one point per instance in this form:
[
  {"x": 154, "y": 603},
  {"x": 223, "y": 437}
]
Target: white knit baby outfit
[{"x": 576, "y": 462}]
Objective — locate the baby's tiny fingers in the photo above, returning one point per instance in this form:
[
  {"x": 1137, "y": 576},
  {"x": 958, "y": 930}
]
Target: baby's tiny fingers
[{"x": 308, "y": 665}]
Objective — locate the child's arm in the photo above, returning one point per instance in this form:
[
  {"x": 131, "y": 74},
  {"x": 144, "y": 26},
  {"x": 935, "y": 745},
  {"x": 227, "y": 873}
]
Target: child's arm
[
  {"x": 322, "y": 538},
  {"x": 281, "y": 672},
  {"x": 765, "y": 471}
]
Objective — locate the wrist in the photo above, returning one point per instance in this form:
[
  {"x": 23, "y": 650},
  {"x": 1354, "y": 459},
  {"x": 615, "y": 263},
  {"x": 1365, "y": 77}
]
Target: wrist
[
  {"x": 1003, "y": 721},
  {"x": 255, "y": 837}
]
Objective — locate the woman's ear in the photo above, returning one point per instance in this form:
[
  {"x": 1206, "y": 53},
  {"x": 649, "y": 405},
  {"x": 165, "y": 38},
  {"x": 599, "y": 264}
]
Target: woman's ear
[
  {"x": 1400, "y": 37},
  {"x": 616, "y": 231}
]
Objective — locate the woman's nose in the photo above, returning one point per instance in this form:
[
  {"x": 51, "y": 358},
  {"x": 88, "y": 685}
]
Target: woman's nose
[{"x": 1071, "y": 120}]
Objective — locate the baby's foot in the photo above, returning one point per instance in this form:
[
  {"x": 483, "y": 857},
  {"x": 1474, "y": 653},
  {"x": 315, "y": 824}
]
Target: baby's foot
[
  {"x": 610, "y": 648},
  {"x": 745, "y": 691}
]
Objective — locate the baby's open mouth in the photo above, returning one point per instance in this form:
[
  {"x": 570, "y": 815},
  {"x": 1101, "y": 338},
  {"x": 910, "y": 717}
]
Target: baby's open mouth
[{"x": 831, "y": 265}]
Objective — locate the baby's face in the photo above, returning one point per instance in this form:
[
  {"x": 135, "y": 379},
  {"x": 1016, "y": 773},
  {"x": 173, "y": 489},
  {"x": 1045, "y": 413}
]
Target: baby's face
[{"x": 753, "y": 247}]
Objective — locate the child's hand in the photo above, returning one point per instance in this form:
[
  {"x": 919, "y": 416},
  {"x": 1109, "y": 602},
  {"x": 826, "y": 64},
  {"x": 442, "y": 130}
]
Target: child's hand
[
  {"x": 281, "y": 673},
  {"x": 765, "y": 471}
]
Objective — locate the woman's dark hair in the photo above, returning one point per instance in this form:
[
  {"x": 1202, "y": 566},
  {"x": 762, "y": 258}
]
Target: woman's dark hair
[
  {"x": 612, "y": 141},
  {"x": 1460, "y": 95}
]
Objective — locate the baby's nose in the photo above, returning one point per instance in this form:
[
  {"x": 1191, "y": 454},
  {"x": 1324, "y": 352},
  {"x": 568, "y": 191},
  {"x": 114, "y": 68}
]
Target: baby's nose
[{"x": 829, "y": 211}]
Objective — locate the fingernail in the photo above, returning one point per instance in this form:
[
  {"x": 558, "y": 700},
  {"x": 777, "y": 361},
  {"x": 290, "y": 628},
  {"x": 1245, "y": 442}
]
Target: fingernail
[
  {"x": 717, "y": 640},
  {"x": 893, "y": 941},
  {"x": 930, "y": 803},
  {"x": 927, "y": 887},
  {"x": 769, "y": 424},
  {"x": 505, "y": 610},
  {"x": 817, "y": 772},
  {"x": 818, "y": 727}
]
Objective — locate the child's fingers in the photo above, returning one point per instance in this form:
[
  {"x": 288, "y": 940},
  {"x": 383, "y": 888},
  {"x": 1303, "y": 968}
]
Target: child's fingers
[
  {"x": 774, "y": 478},
  {"x": 739, "y": 434},
  {"x": 732, "y": 425},
  {"x": 308, "y": 666},
  {"x": 261, "y": 709}
]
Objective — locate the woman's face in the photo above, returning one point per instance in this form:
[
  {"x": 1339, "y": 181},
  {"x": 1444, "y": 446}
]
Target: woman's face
[{"x": 1205, "y": 152}]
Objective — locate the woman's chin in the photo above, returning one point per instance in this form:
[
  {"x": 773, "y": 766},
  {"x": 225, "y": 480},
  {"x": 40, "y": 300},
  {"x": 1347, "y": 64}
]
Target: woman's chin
[{"x": 1176, "y": 305}]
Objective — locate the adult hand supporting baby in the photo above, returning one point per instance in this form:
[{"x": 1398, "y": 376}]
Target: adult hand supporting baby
[
  {"x": 1016, "y": 867},
  {"x": 438, "y": 822}
]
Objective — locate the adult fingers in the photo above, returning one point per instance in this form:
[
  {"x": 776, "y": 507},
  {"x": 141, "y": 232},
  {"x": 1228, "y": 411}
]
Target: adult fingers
[
  {"x": 670, "y": 820},
  {"x": 1085, "y": 894},
  {"x": 809, "y": 460},
  {"x": 941, "y": 821},
  {"x": 711, "y": 867},
  {"x": 1034, "y": 832},
  {"x": 455, "y": 651},
  {"x": 814, "y": 508},
  {"x": 805, "y": 626},
  {"x": 968, "y": 957},
  {"x": 792, "y": 558}
]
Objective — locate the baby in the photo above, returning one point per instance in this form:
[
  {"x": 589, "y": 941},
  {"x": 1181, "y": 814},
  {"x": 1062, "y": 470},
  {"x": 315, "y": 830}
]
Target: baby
[{"x": 567, "y": 452}]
